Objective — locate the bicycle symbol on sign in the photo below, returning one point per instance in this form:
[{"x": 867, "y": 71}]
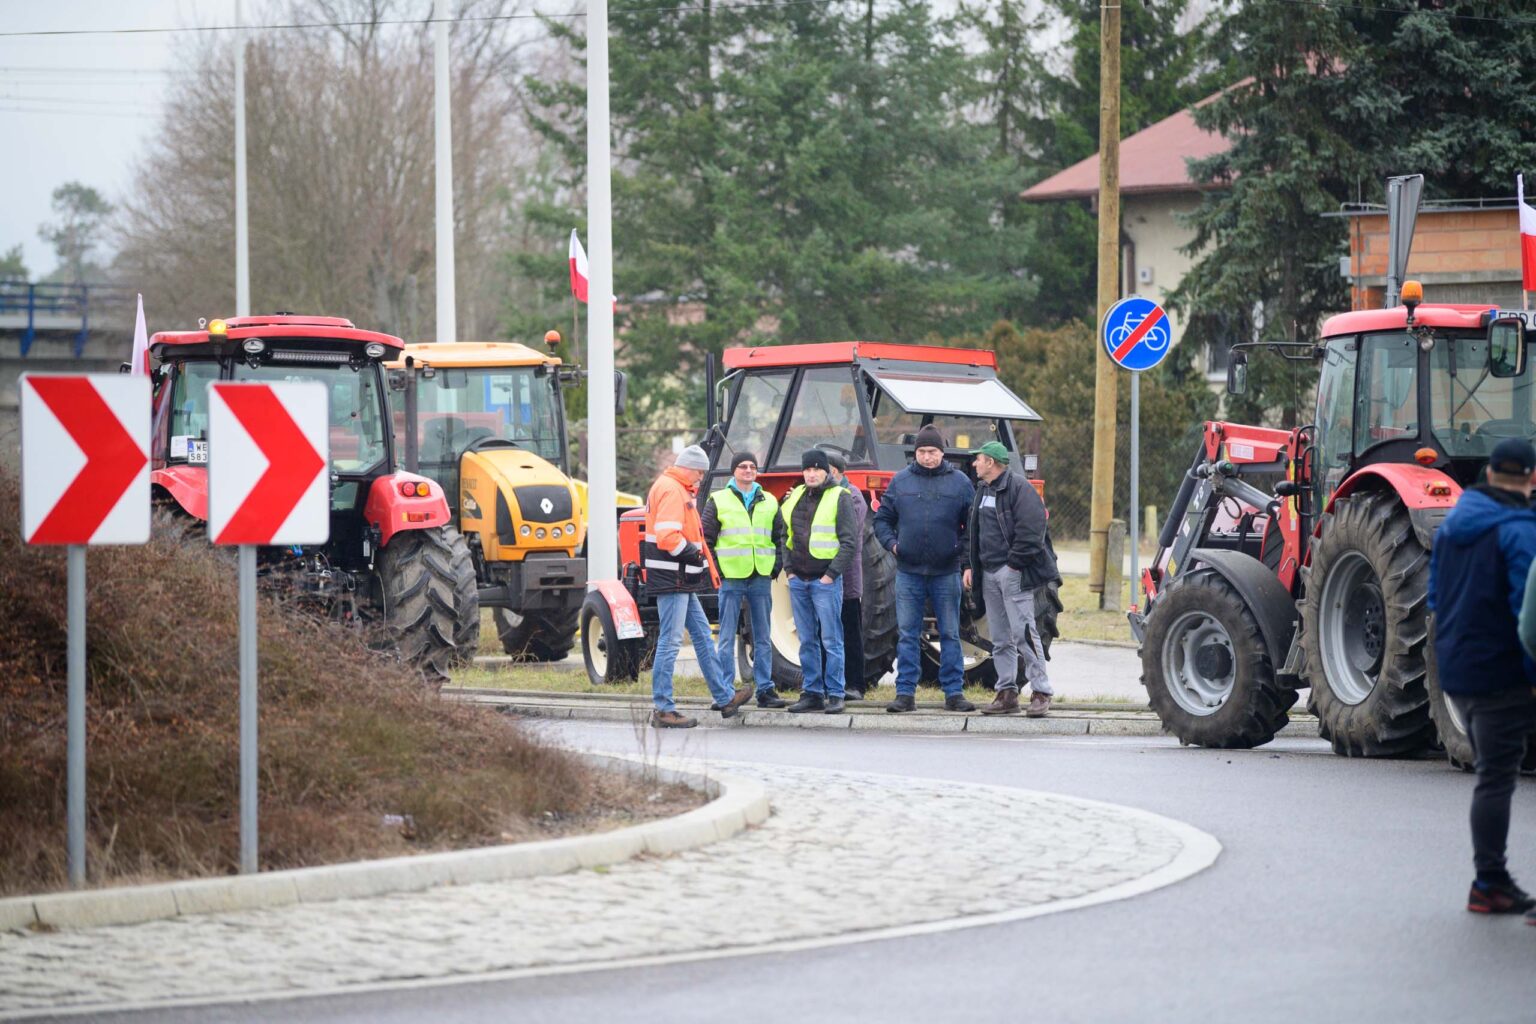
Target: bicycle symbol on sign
[{"x": 1156, "y": 338}]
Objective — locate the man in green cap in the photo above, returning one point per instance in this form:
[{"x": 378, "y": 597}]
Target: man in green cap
[{"x": 1009, "y": 557}]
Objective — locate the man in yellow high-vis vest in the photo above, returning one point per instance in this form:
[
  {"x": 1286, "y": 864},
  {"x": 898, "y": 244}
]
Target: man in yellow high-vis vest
[
  {"x": 819, "y": 545},
  {"x": 743, "y": 528}
]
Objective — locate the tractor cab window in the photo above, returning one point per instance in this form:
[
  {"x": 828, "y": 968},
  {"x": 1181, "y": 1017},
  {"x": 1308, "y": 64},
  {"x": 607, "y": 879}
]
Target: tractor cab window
[
  {"x": 826, "y": 414},
  {"x": 1335, "y": 417},
  {"x": 1472, "y": 410},
  {"x": 896, "y": 429},
  {"x": 1387, "y": 398},
  {"x": 356, "y": 409},
  {"x": 755, "y": 413},
  {"x": 458, "y": 406},
  {"x": 189, "y": 410}
]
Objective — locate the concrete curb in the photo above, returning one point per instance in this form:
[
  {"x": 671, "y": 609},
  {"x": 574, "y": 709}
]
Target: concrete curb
[
  {"x": 584, "y": 707},
  {"x": 737, "y": 803}
]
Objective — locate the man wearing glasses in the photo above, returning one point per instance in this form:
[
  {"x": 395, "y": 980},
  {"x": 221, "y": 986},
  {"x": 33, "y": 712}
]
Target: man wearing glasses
[{"x": 743, "y": 528}]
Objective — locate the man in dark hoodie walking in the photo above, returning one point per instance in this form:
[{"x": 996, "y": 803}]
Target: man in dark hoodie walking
[
  {"x": 922, "y": 522},
  {"x": 1477, "y": 572}
]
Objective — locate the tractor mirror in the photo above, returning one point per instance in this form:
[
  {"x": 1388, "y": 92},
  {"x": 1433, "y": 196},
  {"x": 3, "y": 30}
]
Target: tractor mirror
[
  {"x": 397, "y": 380},
  {"x": 1506, "y": 347},
  {"x": 620, "y": 392},
  {"x": 1237, "y": 373}
]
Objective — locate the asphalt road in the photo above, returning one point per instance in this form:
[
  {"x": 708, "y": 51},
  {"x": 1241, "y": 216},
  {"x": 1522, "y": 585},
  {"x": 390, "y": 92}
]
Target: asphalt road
[{"x": 1338, "y": 897}]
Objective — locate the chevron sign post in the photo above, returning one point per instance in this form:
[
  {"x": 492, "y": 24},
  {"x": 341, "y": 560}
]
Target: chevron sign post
[
  {"x": 84, "y": 480},
  {"x": 268, "y": 483}
]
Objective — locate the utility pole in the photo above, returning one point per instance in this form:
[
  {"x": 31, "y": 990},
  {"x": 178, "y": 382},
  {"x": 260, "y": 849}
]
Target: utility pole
[
  {"x": 602, "y": 443},
  {"x": 1102, "y": 508},
  {"x": 242, "y": 197},
  {"x": 447, "y": 322}
]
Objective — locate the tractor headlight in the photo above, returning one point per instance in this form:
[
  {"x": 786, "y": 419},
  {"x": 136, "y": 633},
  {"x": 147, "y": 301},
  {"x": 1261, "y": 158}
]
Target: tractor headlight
[
  {"x": 525, "y": 531},
  {"x": 539, "y": 533},
  {"x": 374, "y": 350},
  {"x": 253, "y": 346}
]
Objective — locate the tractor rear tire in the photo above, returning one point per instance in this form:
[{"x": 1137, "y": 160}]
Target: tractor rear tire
[
  {"x": 537, "y": 636},
  {"x": 420, "y": 582},
  {"x": 1206, "y": 667},
  {"x": 609, "y": 660},
  {"x": 466, "y": 633},
  {"x": 1449, "y": 725},
  {"x": 1363, "y": 629},
  {"x": 984, "y": 672}
]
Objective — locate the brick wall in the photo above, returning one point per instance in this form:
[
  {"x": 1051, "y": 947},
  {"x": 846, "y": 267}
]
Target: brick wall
[{"x": 1460, "y": 256}]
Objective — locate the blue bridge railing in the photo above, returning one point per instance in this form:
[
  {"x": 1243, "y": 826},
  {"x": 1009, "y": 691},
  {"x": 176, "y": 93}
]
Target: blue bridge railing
[{"x": 72, "y": 302}]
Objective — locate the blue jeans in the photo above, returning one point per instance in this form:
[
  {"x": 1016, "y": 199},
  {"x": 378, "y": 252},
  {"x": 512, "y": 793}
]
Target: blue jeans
[
  {"x": 913, "y": 591},
  {"x": 818, "y": 609},
  {"x": 675, "y": 611},
  {"x": 757, "y": 591}
]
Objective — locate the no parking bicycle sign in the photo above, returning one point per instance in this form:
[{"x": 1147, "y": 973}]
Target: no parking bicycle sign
[{"x": 1136, "y": 333}]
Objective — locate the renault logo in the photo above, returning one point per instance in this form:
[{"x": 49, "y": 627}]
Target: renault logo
[{"x": 547, "y": 505}]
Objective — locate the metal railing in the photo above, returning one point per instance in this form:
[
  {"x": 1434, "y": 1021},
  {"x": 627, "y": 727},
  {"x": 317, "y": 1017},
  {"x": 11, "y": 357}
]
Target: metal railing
[{"x": 87, "y": 302}]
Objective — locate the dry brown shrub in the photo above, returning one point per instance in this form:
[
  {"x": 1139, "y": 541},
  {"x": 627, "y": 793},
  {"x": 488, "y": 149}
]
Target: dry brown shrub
[{"x": 347, "y": 736}]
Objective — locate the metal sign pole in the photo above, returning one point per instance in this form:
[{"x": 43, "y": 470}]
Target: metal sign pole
[
  {"x": 247, "y": 588},
  {"x": 1135, "y": 480},
  {"x": 76, "y": 715}
]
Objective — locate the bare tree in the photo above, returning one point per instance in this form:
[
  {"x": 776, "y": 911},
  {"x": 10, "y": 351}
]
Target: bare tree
[{"x": 339, "y": 135}]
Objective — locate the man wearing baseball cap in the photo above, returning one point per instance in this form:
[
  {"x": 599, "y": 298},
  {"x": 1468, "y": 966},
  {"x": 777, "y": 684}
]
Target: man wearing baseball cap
[
  {"x": 1477, "y": 574},
  {"x": 1009, "y": 557},
  {"x": 853, "y": 586},
  {"x": 818, "y": 547}
]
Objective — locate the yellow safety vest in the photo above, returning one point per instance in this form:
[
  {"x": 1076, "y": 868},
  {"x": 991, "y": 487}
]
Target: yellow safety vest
[
  {"x": 745, "y": 544},
  {"x": 823, "y": 543}
]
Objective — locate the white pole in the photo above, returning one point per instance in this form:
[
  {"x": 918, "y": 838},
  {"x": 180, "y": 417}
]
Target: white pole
[
  {"x": 1135, "y": 522},
  {"x": 75, "y": 715},
  {"x": 242, "y": 213},
  {"x": 603, "y": 524},
  {"x": 447, "y": 325},
  {"x": 249, "y": 844}
]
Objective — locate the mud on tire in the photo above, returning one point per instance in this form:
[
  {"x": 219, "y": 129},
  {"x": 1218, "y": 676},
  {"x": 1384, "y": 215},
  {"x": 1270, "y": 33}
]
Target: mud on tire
[
  {"x": 1206, "y": 668},
  {"x": 1364, "y": 632},
  {"x": 420, "y": 583}
]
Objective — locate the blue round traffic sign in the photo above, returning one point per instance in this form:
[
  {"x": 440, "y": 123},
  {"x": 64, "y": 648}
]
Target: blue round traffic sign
[{"x": 1136, "y": 333}]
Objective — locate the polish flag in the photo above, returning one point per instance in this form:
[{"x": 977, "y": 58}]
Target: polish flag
[
  {"x": 138, "y": 363},
  {"x": 579, "y": 268},
  {"x": 1527, "y": 237}
]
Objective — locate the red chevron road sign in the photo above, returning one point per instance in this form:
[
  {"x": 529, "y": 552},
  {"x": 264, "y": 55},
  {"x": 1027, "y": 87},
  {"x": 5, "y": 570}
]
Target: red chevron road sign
[
  {"x": 85, "y": 459},
  {"x": 267, "y": 460}
]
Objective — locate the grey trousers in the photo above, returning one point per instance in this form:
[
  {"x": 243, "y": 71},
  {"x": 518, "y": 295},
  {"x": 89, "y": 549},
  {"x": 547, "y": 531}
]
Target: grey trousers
[{"x": 1011, "y": 623}]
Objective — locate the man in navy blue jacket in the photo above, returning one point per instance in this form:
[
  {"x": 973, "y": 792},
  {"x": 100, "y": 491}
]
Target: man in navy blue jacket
[
  {"x": 922, "y": 522},
  {"x": 1477, "y": 570}
]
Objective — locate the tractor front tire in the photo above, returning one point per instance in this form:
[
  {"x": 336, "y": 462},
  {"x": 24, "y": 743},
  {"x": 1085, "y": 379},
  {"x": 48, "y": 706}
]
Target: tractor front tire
[
  {"x": 1363, "y": 628},
  {"x": 1207, "y": 671},
  {"x": 879, "y": 608},
  {"x": 1449, "y": 725},
  {"x": 420, "y": 584},
  {"x": 537, "y": 636},
  {"x": 466, "y": 633},
  {"x": 609, "y": 660}
]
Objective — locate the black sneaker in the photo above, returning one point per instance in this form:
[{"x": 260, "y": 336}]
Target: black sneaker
[
  {"x": 807, "y": 702},
  {"x": 957, "y": 702},
  {"x": 853, "y": 695},
  {"x": 903, "y": 702},
  {"x": 834, "y": 706},
  {"x": 770, "y": 698},
  {"x": 1499, "y": 898}
]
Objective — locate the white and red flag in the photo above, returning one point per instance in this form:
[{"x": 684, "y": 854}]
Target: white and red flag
[
  {"x": 139, "y": 361},
  {"x": 578, "y": 268},
  {"x": 1527, "y": 237}
]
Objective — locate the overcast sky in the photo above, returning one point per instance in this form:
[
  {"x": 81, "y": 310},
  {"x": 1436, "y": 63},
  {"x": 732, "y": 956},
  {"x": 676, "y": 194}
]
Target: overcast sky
[{"x": 81, "y": 107}]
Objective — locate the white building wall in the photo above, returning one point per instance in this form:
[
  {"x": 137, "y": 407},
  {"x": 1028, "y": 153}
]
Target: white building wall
[{"x": 1153, "y": 225}]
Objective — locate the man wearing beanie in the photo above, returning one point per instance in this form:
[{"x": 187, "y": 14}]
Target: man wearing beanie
[
  {"x": 853, "y": 587},
  {"x": 676, "y": 569},
  {"x": 1009, "y": 557},
  {"x": 743, "y": 529},
  {"x": 922, "y": 522},
  {"x": 819, "y": 544},
  {"x": 1477, "y": 573}
]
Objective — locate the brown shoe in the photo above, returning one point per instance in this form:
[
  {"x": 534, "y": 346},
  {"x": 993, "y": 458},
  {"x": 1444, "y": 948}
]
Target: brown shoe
[
  {"x": 672, "y": 720},
  {"x": 1006, "y": 703},
  {"x": 740, "y": 697},
  {"x": 1039, "y": 705}
]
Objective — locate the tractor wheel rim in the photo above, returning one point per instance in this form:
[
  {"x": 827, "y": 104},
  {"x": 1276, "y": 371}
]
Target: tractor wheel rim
[
  {"x": 1352, "y": 624},
  {"x": 597, "y": 648},
  {"x": 1199, "y": 665},
  {"x": 781, "y": 624},
  {"x": 1454, "y": 713}
]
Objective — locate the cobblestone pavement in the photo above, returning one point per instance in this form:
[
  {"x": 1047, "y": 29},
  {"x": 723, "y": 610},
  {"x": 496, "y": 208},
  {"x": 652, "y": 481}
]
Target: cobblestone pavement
[{"x": 843, "y": 852}]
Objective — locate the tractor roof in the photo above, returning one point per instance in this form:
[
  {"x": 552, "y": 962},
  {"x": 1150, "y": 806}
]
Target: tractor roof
[
  {"x": 316, "y": 329},
  {"x": 1396, "y": 318},
  {"x": 834, "y": 352},
  {"x": 475, "y": 353}
]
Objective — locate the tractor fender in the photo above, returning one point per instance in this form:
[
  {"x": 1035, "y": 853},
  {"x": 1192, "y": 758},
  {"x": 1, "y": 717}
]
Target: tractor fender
[
  {"x": 393, "y": 512},
  {"x": 621, "y": 606},
  {"x": 1261, "y": 590},
  {"x": 1428, "y": 494},
  {"x": 187, "y": 486}
]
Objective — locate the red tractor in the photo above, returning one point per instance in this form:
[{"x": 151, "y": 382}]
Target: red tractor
[
  {"x": 865, "y": 401},
  {"x": 1299, "y": 559},
  {"x": 393, "y": 555}
]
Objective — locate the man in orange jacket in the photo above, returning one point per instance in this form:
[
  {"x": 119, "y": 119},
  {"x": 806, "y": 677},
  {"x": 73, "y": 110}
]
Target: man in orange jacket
[{"x": 676, "y": 569}]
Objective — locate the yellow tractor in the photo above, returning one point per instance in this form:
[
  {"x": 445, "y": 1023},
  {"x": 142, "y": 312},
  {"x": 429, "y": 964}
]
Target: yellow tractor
[{"x": 489, "y": 426}]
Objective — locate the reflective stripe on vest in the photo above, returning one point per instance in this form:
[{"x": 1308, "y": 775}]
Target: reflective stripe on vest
[
  {"x": 745, "y": 544},
  {"x": 823, "y": 542}
]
